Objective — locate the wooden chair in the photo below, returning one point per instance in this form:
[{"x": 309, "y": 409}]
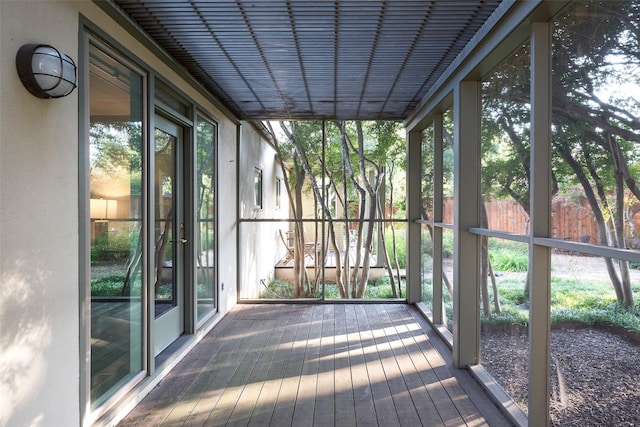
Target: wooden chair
[
  {"x": 290, "y": 249},
  {"x": 309, "y": 248}
]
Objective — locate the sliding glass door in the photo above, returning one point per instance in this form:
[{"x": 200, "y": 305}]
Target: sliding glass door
[
  {"x": 151, "y": 253},
  {"x": 116, "y": 223}
]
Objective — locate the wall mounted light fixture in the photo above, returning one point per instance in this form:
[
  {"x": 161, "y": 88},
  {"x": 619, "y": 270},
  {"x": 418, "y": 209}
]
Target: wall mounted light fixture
[{"x": 46, "y": 72}]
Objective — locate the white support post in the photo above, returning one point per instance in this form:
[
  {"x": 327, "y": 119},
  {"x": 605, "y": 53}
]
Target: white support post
[
  {"x": 413, "y": 266},
  {"x": 466, "y": 248},
  {"x": 540, "y": 215},
  {"x": 437, "y": 308}
]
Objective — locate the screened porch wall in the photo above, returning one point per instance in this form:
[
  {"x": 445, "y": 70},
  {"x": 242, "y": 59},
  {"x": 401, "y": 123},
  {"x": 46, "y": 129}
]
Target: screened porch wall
[{"x": 572, "y": 271}]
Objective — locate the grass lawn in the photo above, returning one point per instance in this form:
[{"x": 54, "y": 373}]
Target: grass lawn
[
  {"x": 376, "y": 289},
  {"x": 583, "y": 296}
]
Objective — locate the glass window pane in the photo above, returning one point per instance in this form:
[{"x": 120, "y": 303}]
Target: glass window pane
[
  {"x": 504, "y": 308},
  {"x": 448, "y": 169},
  {"x": 595, "y": 166},
  {"x": 170, "y": 99},
  {"x": 447, "y": 278},
  {"x": 344, "y": 191},
  {"x": 205, "y": 207},
  {"x": 427, "y": 173},
  {"x": 164, "y": 189},
  {"x": 257, "y": 188},
  {"x": 596, "y": 133},
  {"x": 594, "y": 342},
  {"x": 272, "y": 275},
  {"x": 116, "y": 111},
  {"x": 383, "y": 276},
  {"x": 505, "y": 145},
  {"x": 426, "y": 259}
]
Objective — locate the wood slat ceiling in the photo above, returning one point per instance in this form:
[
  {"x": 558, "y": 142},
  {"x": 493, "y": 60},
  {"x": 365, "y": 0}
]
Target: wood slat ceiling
[{"x": 314, "y": 59}]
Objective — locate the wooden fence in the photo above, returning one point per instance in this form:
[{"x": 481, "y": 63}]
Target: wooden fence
[{"x": 569, "y": 220}]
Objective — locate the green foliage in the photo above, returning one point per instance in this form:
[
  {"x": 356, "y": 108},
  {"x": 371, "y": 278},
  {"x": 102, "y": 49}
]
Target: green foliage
[
  {"x": 427, "y": 291},
  {"x": 401, "y": 246},
  {"x": 510, "y": 315},
  {"x": 278, "y": 289},
  {"x": 343, "y": 170},
  {"x": 376, "y": 289},
  {"x": 508, "y": 256},
  {"x": 380, "y": 289},
  {"x": 207, "y": 241},
  {"x": 117, "y": 150},
  {"x": 609, "y": 314},
  {"x": 110, "y": 285},
  {"x": 110, "y": 247},
  {"x": 447, "y": 245},
  {"x": 426, "y": 245},
  {"x": 512, "y": 293},
  {"x": 590, "y": 303},
  {"x": 509, "y": 260},
  {"x": 165, "y": 290},
  {"x": 572, "y": 301}
]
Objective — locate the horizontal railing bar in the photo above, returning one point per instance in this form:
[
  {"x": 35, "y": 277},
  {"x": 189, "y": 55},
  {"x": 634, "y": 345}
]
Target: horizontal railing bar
[
  {"x": 319, "y": 220},
  {"x": 524, "y": 238}
]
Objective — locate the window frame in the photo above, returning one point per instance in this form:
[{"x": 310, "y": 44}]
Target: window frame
[{"x": 258, "y": 199}]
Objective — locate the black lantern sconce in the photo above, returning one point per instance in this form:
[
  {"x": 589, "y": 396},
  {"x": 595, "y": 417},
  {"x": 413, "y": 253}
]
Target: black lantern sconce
[{"x": 46, "y": 72}]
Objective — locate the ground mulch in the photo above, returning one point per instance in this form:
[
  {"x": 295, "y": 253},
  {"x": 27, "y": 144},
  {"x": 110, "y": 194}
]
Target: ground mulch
[{"x": 595, "y": 373}]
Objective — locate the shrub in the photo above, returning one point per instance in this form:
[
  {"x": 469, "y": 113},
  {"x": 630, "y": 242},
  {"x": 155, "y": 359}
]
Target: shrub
[
  {"x": 107, "y": 286},
  {"x": 278, "y": 289},
  {"x": 401, "y": 246},
  {"x": 510, "y": 315},
  {"x": 509, "y": 260}
]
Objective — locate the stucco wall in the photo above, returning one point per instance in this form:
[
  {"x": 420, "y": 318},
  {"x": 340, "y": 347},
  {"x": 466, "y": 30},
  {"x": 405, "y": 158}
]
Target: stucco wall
[
  {"x": 227, "y": 216},
  {"x": 40, "y": 346},
  {"x": 260, "y": 244},
  {"x": 39, "y": 353}
]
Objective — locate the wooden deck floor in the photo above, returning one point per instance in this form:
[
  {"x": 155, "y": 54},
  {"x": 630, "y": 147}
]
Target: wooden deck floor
[{"x": 318, "y": 365}]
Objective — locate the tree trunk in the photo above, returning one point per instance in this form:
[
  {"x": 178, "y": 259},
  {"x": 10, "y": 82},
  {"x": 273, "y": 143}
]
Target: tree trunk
[
  {"x": 616, "y": 219},
  {"x": 484, "y": 274},
  {"x": 445, "y": 278},
  {"x": 372, "y": 191},
  {"x": 486, "y": 269},
  {"x": 496, "y": 296},
  {"x": 566, "y": 153},
  {"x": 299, "y": 268},
  {"x": 304, "y": 164},
  {"x": 294, "y": 195},
  {"x": 627, "y": 292},
  {"x": 364, "y": 278},
  {"x": 387, "y": 260},
  {"x": 396, "y": 264}
]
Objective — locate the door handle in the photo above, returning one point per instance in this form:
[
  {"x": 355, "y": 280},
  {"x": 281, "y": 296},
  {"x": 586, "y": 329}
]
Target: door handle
[{"x": 183, "y": 241}]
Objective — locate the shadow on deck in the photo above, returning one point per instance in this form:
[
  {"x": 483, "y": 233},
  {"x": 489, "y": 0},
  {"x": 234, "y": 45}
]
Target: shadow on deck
[{"x": 324, "y": 365}]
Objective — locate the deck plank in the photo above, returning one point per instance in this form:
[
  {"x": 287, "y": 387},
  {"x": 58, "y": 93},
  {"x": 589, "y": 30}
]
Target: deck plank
[
  {"x": 218, "y": 378},
  {"x": 409, "y": 358},
  {"x": 364, "y": 406},
  {"x": 385, "y": 410},
  {"x": 387, "y": 339},
  {"x": 344, "y": 403},
  {"x": 313, "y": 364},
  {"x": 428, "y": 361},
  {"x": 285, "y": 403},
  {"x": 324, "y": 411},
  {"x": 275, "y": 374}
]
